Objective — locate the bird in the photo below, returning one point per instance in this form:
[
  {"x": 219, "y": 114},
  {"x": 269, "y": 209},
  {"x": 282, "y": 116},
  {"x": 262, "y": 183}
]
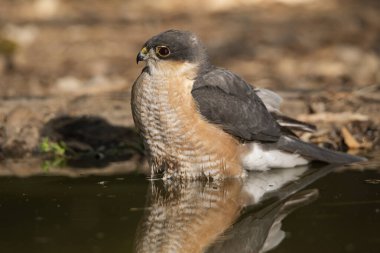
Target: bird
[{"x": 202, "y": 121}]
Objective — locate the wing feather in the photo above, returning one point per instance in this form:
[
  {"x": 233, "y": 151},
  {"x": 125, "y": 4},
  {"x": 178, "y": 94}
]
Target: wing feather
[
  {"x": 225, "y": 99},
  {"x": 273, "y": 103}
]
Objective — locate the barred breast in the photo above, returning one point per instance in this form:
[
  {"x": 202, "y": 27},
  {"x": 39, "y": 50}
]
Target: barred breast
[{"x": 178, "y": 140}]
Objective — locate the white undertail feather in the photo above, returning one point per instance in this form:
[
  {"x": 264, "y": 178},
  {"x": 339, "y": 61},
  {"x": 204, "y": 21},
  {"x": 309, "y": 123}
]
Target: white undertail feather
[{"x": 265, "y": 156}]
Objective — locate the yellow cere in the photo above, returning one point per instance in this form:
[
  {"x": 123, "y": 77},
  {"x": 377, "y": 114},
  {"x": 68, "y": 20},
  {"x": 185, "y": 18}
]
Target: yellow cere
[{"x": 144, "y": 50}]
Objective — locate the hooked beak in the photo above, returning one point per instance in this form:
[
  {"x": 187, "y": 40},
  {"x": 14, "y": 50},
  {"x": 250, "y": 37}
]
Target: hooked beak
[{"x": 142, "y": 55}]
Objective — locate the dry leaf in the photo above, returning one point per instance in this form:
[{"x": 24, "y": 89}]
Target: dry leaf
[{"x": 350, "y": 141}]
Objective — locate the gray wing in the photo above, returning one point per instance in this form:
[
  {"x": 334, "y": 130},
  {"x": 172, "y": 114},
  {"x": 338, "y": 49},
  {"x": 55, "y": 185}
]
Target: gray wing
[
  {"x": 271, "y": 99},
  {"x": 225, "y": 99},
  {"x": 273, "y": 102}
]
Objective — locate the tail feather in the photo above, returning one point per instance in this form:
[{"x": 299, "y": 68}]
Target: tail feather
[
  {"x": 315, "y": 153},
  {"x": 294, "y": 124}
]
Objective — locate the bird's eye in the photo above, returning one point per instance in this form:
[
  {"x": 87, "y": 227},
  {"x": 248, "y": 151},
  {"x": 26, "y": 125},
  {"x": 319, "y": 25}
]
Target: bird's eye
[{"x": 162, "y": 51}]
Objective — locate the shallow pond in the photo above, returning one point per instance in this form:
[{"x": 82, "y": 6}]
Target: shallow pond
[{"x": 320, "y": 209}]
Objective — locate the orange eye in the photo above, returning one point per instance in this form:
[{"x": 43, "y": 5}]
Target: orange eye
[{"x": 162, "y": 51}]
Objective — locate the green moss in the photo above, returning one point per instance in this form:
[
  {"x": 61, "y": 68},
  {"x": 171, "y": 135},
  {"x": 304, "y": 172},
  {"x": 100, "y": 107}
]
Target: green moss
[
  {"x": 53, "y": 148},
  {"x": 56, "y": 152}
]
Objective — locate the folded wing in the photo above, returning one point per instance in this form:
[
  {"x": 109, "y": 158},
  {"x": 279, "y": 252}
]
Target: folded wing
[{"x": 226, "y": 100}]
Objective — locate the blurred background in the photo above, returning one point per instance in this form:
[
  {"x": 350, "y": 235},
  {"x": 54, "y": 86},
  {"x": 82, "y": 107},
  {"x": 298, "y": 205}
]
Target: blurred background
[{"x": 64, "y": 60}]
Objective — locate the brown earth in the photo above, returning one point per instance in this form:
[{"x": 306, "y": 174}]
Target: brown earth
[{"x": 67, "y": 66}]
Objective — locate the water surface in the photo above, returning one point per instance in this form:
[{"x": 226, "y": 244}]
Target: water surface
[{"x": 321, "y": 209}]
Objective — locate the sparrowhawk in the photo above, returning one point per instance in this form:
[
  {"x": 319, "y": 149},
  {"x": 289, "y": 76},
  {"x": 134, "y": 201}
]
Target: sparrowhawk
[{"x": 198, "y": 120}]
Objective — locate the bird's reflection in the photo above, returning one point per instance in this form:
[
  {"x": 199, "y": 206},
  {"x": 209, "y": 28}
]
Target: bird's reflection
[{"x": 224, "y": 216}]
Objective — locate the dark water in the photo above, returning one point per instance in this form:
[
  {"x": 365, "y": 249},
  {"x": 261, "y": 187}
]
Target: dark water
[{"x": 297, "y": 210}]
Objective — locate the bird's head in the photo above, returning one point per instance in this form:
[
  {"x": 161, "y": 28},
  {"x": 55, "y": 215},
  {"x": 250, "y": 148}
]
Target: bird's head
[{"x": 172, "y": 47}]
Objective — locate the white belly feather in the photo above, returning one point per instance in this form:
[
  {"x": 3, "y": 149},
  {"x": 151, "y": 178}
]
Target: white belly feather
[{"x": 264, "y": 157}]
